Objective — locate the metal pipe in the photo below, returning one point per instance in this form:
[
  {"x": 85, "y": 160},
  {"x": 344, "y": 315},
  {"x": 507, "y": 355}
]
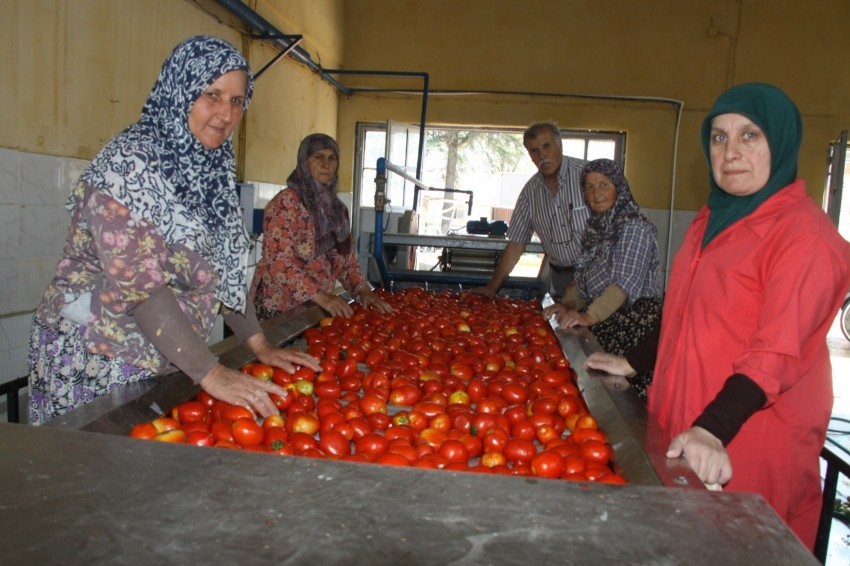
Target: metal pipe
[
  {"x": 380, "y": 204},
  {"x": 269, "y": 32}
]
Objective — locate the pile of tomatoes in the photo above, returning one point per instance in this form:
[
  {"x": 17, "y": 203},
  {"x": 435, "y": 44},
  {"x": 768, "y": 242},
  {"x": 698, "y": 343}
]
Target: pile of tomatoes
[{"x": 448, "y": 381}]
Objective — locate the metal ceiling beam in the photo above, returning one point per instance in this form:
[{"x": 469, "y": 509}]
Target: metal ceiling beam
[{"x": 265, "y": 30}]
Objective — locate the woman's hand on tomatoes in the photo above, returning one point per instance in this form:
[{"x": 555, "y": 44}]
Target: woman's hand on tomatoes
[
  {"x": 609, "y": 363},
  {"x": 568, "y": 318},
  {"x": 705, "y": 455},
  {"x": 238, "y": 388},
  {"x": 283, "y": 358},
  {"x": 370, "y": 300},
  {"x": 333, "y": 304}
]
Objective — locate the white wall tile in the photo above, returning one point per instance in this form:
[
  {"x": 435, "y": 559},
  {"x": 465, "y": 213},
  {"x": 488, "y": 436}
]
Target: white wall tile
[
  {"x": 71, "y": 171},
  {"x": 43, "y": 230},
  {"x": 13, "y": 364},
  {"x": 10, "y": 230},
  {"x": 34, "y": 274},
  {"x": 8, "y": 176},
  {"x": 14, "y": 346},
  {"x": 42, "y": 180},
  {"x": 16, "y": 330},
  {"x": 8, "y": 285}
]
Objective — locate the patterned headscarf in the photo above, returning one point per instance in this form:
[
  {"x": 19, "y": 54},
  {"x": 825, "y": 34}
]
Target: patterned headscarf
[
  {"x": 771, "y": 110},
  {"x": 603, "y": 228},
  {"x": 330, "y": 215},
  {"x": 163, "y": 174}
]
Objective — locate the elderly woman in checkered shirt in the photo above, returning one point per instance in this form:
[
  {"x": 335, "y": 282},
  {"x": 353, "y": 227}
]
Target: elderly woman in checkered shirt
[{"x": 617, "y": 287}]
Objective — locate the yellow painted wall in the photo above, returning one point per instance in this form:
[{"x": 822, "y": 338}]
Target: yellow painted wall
[
  {"x": 684, "y": 50},
  {"x": 76, "y": 72}
]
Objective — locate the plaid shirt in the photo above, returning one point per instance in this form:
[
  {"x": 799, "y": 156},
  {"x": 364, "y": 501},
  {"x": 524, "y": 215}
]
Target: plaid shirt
[
  {"x": 557, "y": 218},
  {"x": 632, "y": 263}
]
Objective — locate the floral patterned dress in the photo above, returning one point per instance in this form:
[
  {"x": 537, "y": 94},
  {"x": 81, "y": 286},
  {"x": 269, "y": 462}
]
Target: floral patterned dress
[
  {"x": 291, "y": 271},
  {"x": 84, "y": 340}
]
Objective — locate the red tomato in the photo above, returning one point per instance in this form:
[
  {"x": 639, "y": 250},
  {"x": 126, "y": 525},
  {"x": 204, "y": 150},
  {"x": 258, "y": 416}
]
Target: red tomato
[
  {"x": 548, "y": 464},
  {"x": 545, "y": 433},
  {"x": 569, "y": 404},
  {"x": 334, "y": 444},
  {"x": 346, "y": 368},
  {"x": 307, "y": 423},
  {"x": 246, "y": 432},
  {"x": 378, "y": 421},
  {"x": 165, "y": 424},
  {"x": 200, "y": 438},
  {"x": 494, "y": 440},
  {"x": 519, "y": 450},
  {"x": 273, "y": 421},
  {"x": 441, "y": 422},
  {"x": 144, "y": 431},
  {"x": 391, "y": 459},
  {"x": 581, "y": 435},
  {"x": 303, "y": 442},
  {"x": 258, "y": 370},
  {"x": 405, "y": 395},
  {"x": 191, "y": 411},
  {"x": 493, "y": 459},
  {"x": 454, "y": 451},
  {"x": 328, "y": 389},
  {"x": 492, "y": 405},
  {"x": 174, "y": 435},
  {"x": 596, "y": 451},
  {"x": 371, "y": 444},
  {"x": 524, "y": 430},
  {"x": 361, "y": 427},
  {"x": 196, "y": 426},
  {"x": 206, "y": 399},
  {"x": 473, "y": 444},
  {"x": 234, "y": 412},
  {"x": 476, "y": 389},
  {"x": 274, "y": 439},
  {"x": 372, "y": 404},
  {"x": 514, "y": 393},
  {"x": 432, "y": 437}
]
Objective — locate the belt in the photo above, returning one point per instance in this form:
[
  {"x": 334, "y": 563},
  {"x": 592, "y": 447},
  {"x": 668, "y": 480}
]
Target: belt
[{"x": 561, "y": 268}]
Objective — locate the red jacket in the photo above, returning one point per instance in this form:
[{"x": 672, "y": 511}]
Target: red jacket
[{"x": 758, "y": 300}]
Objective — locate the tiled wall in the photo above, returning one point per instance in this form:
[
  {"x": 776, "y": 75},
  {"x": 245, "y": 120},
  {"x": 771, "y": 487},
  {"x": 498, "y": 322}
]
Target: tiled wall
[{"x": 33, "y": 225}]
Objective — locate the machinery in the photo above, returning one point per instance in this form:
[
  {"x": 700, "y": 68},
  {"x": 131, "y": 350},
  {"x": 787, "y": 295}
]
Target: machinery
[{"x": 466, "y": 259}]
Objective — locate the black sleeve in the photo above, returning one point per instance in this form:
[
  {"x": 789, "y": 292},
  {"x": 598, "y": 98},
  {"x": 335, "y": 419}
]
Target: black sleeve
[
  {"x": 642, "y": 356},
  {"x": 739, "y": 399}
]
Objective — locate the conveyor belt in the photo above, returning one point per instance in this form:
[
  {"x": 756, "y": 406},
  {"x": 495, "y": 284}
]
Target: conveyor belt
[{"x": 90, "y": 498}]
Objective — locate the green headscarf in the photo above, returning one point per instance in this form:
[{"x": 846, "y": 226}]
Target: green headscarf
[{"x": 777, "y": 116}]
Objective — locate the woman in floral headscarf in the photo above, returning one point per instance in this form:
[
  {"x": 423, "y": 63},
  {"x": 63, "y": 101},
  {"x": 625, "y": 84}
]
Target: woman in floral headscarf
[
  {"x": 156, "y": 248},
  {"x": 617, "y": 287},
  {"x": 307, "y": 240}
]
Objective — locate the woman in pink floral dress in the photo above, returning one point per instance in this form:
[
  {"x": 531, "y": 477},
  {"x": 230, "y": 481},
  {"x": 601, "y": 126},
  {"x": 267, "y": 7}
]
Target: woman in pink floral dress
[
  {"x": 307, "y": 241},
  {"x": 156, "y": 250}
]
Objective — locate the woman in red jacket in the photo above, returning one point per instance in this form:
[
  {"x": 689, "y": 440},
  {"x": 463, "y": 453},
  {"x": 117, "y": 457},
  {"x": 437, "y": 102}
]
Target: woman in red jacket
[{"x": 743, "y": 382}]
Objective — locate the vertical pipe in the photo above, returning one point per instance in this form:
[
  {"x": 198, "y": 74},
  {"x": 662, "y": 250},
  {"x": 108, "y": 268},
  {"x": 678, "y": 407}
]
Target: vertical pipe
[{"x": 380, "y": 204}]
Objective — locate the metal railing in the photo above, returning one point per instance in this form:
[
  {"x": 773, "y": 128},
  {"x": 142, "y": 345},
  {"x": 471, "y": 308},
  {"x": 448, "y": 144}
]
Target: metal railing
[{"x": 10, "y": 390}]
